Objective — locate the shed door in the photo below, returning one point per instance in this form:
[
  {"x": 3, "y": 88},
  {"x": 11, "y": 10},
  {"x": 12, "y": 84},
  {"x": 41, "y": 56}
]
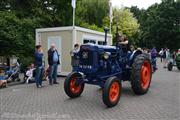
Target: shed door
[{"x": 57, "y": 41}]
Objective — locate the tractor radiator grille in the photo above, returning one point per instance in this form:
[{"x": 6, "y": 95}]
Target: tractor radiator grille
[{"x": 86, "y": 58}]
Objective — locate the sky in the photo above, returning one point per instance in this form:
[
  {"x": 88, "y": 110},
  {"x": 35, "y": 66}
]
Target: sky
[{"x": 140, "y": 3}]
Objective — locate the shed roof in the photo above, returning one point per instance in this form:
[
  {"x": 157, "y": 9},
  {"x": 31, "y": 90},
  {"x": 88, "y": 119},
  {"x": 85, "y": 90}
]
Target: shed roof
[{"x": 71, "y": 28}]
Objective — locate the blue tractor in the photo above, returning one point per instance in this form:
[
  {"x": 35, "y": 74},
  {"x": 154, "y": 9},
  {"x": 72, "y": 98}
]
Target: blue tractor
[{"x": 107, "y": 66}]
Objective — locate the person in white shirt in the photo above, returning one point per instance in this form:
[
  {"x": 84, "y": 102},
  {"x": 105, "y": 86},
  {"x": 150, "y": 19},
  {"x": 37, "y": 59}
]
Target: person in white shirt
[
  {"x": 29, "y": 73},
  {"x": 161, "y": 54}
]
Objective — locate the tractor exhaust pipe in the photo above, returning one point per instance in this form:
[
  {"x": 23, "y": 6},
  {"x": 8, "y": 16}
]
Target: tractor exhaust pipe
[
  {"x": 106, "y": 31},
  {"x": 117, "y": 35}
]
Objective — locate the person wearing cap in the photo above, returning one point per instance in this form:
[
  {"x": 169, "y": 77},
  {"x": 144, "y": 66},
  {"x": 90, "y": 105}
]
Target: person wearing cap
[{"x": 123, "y": 41}]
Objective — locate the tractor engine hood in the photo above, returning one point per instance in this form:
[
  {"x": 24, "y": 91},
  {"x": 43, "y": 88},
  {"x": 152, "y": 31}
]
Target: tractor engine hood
[
  {"x": 90, "y": 56},
  {"x": 99, "y": 48}
]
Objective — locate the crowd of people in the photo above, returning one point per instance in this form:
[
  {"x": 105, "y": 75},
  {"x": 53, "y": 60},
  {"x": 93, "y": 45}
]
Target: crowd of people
[
  {"x": 36, "y": 71},
  {"x": 9, "y": 73},
  {"x": 166, "y": 55}
]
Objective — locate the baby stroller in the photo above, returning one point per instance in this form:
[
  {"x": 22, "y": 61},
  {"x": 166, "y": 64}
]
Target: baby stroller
[
  {"x": 46, "y": 74},
  {"x": 13, "y": 73}
]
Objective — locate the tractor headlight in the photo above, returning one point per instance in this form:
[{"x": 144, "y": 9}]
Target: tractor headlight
[{"x": 106, "y": 55}]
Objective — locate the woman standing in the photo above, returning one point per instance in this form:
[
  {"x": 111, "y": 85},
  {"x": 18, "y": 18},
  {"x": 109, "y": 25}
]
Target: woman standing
[
  {"x": 39, "y": 65},
  {"x": 164, "y": 58}
]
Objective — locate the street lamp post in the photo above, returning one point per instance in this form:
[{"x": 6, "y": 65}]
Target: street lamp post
[{"x": 106, "y": 31}]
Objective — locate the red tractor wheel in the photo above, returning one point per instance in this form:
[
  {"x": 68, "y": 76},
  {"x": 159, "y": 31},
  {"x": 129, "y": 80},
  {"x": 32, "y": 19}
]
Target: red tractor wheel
[
  {"x": 145, "y": 74},
  {"x": 141, "y": 75},
  {"x": 112, "y": 91},
  {"x": 71, "y": 86}
]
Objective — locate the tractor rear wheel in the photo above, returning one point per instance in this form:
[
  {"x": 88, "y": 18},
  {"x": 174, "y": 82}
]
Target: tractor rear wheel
[
  {"x": 178, "y": 67},
  {"x": 71, "y": 86},
  {"x": 170, "y": 66},
  {"x": 111, "y": 91},
  {"x": 141, "y": 75}
]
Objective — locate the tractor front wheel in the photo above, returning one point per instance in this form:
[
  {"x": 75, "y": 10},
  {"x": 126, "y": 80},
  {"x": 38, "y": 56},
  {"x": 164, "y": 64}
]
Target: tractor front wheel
[
  {"x": 111, "y": 91},
  {"x": 73, "y": 85}
]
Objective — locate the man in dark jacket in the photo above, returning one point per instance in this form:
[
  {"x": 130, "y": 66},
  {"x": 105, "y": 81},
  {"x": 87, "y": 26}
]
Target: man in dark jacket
[
  {"x": 53, "y": 61},
  {"x": 39, "y": 65}
]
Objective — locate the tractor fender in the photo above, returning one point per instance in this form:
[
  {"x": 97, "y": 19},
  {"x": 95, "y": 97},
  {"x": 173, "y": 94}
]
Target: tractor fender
[
  {"x": 135, "y": 53},
  {"x": 81, "y": 73}
]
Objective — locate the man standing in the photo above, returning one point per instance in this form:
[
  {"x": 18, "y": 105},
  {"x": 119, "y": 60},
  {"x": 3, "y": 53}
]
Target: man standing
[
  {"x": 161, "y": 54},
  {"x": 164, "y": 58},
  {"x": 153, "y": 57},
  {"x": 53, "y": 61},
  {"x": 74, "y": 57},
  {"x": 39, "y": 65}
]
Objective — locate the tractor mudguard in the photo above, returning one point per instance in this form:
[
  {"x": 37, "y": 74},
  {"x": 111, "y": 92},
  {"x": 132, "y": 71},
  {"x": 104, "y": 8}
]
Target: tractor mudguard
[{"x": 134, "y": 54}]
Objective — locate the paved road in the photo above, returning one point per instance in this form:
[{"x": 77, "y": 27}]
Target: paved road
[{"x": 26, "y": 102}]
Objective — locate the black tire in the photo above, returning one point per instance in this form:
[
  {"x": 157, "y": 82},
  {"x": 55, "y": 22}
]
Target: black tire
[
  {"x": 178, "y": 67},
  {"x": 170, "y": 66},
  {"x": 18, "y": 79},
  {"x": 67, "y": 87},
  {"x": 146, "y": 55},
  {"x": 137, "y": 79},
  {"x": 106, "y": 92}
]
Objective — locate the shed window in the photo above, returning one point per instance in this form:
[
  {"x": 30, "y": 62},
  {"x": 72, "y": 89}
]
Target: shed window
[
  {"x": 89, "y": 41},
  {"x": 101, "y": 43}
]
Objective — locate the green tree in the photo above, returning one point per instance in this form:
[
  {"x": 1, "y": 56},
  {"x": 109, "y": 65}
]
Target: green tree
[
  {"x": 20, "y": 18},
  {"x": 91, "y": 13},
  {"x": 17, "y": 36},
  {"x": 126, "y": 22},
  {"x": 159, "y": 25}
]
